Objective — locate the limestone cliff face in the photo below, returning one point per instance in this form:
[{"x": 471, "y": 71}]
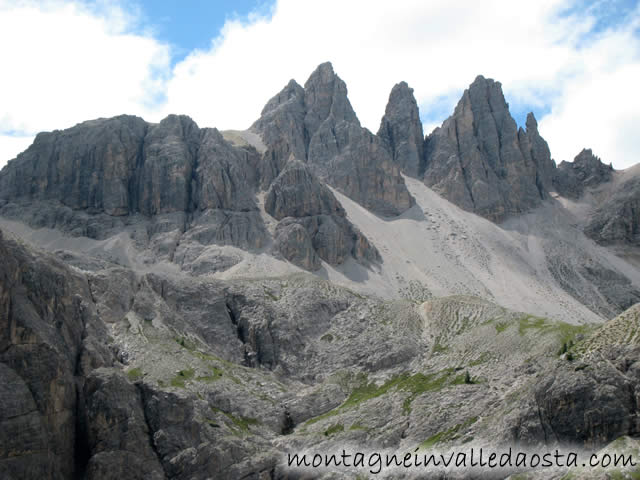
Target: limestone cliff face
[
  {"x": 330, "y": 139},
  {"x": 122, "y": 165},
  {"x": 482, "y": 162},
  {"x": 99, "y": 176},
  {"x": 615, "y": 214},
  {"x": 90, "y": 166}
]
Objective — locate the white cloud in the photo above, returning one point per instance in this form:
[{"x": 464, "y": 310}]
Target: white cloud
[
  {"x": 10, "y": 146},
  {"x": 88, "y": 64},
  {"x": 63, "y": 63},
  {"x": 435, "y": 46},
  {"x": 599, "y": 107}
]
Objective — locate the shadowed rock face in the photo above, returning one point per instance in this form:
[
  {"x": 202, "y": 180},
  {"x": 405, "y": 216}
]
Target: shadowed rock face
[
  {"x": 312, "y": 221},
  {"x": 49, "y": 335},
  {"x": 536, "y": 151},
  {"x": 316, "y": 124},
  {"x": 298, "y": 193},
  {"x": 480, "y": 161},
  {"x": 170, "y": 151},
  {"x": 281, "y": 126},
  {"x": 616, "y": 220},
  {"x": 401, "y": 129},
  {"x": 90, "y": 166},
  {"x": 589, "y": 404}
]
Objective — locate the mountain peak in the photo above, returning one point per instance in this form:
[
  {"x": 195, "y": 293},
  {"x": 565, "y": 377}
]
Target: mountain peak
[
  {"x": 531, "y": 122},
  {"x": 587, "y": 158},
  {"x": 401, "y": 129},
  {"x": 586, "y": 170},
  {"x": 325, "y": 69},
  {"x": 291, "y": 90},
  {"x": 326, "y": 94}
]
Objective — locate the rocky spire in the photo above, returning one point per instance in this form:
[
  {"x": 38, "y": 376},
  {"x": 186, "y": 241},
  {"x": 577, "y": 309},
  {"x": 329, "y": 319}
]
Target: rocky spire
[
  {"x": 325, "y": 94},
  {"x": 536, "y": 151},
  {"x": 476, "y": 158},
  {"x": 401, "y": 129}
]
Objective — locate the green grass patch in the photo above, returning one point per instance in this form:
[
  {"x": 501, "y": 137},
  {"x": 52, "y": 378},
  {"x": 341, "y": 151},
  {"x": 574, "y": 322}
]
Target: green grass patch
[
  {"x": 447, "y": 435},
  {"x": 185, "y": 343},
  {"x": 564, "y": 331},
  {"x": 415, "y": 385},
  {"x": 337, "y": 428},
  {"x": 501, "y": 326},
  {"x": 182, "y": 377},
  {"x": 484, "y": 358},
  {"x": 134, "y": 374},
  {"x": 439, "y": 348},
  {"x": 530, "y": 322},
  {"x": 216, "y": 374},
  {"x": 238, "y": 424}
]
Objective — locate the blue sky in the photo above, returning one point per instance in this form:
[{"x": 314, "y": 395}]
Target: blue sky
[
  {"x": 192, "y": 24},
  {"x": 574, "y": 63}
]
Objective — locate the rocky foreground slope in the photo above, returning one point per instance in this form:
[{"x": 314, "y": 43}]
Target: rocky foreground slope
[
  {"x": 110, "y": 374},
  {"x": 178, "y": 302}
]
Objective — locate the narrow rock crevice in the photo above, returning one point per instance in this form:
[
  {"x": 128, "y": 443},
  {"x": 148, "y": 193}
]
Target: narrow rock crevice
[{"x": 142, "y": 398}]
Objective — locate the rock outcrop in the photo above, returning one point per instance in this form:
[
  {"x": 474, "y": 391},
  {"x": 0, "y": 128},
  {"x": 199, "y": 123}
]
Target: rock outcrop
[
  {"x": 117, "y": 436},
  {"x": 331, "y": 140},
  {"x": 589, "y": 404},
  {"x": 174, "y": 183},
  {"x": 572, "y": 178},
  {"x": 616, "y": 219},
  {"x": 401, "y": 129},
  {"x": 281, "y": 126},
  {"x": 482, "y": 162}
]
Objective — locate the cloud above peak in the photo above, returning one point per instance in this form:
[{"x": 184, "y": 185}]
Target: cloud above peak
[{"x": 574, "y": 71}]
